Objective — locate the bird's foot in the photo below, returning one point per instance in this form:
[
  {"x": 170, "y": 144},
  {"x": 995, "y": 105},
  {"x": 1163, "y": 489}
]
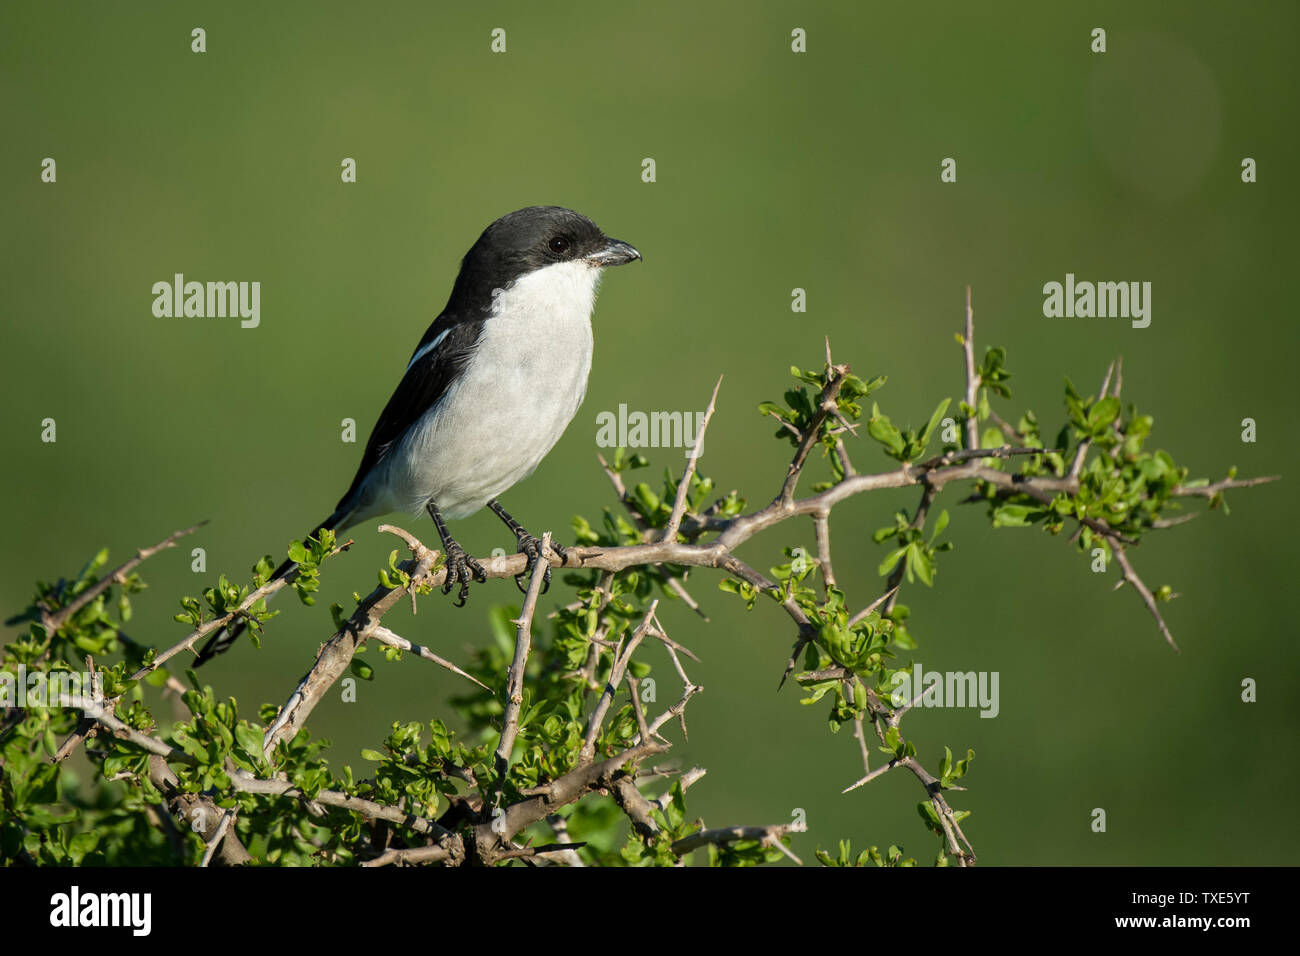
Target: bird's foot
[
  {"x": 461, "y": 568},
  {"x": 531, "y": 545}
]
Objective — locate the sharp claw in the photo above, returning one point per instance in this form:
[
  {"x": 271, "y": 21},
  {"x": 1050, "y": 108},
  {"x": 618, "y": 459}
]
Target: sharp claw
[
  {"x": 531, "y": 546},
  {"x": 461, "y": 569}
]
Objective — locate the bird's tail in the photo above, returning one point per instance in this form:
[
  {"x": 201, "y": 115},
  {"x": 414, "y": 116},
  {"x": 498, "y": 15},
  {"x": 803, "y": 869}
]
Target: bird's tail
[{"x": 225, "y": 638}]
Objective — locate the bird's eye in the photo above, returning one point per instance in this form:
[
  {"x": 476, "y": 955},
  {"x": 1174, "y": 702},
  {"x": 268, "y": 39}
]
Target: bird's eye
[{"x": 559, "y": 245}]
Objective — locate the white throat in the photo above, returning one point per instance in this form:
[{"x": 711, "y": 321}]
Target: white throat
[{"x": 554, "y": 296}]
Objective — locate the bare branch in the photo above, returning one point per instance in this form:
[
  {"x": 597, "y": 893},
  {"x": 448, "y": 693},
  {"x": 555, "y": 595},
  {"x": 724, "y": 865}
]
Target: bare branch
[
  {"x": 972, "y": 379},
  {"x": 617, "y": 670},
  {"x": 410, "y": 856},
  {"x": 872, "y": 606},
  {"x": 214, "y": 841},
  {"x": 149, "y": 744},
  {"x": 1149, "y": 599},
  {"x": 683, "y": 486},
  {"x": 247, "y": 783},
  {"x": 1218, "y": 487},
  {"x": 515, "y": 679},
  {"x": 686, "y": 779},
  {"x": 385, "y": 636},
  {"x": 768, "y": 836},
  {"x": 822, "y": 531},
  {"x": 872, "y": 775},
  {"x": 560, "y": 827},
  {"x": 637, "y": 808}
]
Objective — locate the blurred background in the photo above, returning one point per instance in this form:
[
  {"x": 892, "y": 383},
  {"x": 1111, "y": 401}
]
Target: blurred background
[{"x": 775, "y": 170}]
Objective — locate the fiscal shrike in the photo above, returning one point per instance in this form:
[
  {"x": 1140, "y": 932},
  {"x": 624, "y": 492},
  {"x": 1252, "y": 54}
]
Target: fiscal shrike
[{"x": 488, "y": 391}]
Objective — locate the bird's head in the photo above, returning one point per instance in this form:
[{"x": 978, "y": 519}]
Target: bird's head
[{"x": 534, "y": 238}]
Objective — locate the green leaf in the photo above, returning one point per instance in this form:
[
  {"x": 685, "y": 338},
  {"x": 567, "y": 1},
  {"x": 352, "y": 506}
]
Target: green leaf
[
  {"x": 1102, "y": 414},
  {"x": 362, "y": 669},
  {"x": 887, "y": 565},
  {"x": 80, "y": 845},
  {"x": 924, "y": 438},
  {"x": 250, "y": 738},
  {"x": 1014, "y": 516},
  {"x": 920, "y": 562},
  {"x": 880, "y": 428}
]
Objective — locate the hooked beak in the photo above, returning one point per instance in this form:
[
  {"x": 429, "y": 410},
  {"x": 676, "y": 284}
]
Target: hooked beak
[{"x": 615, "y": 252}]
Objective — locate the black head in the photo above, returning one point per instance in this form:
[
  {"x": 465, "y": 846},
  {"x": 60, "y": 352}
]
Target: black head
[{"x": 530, "y": 239}]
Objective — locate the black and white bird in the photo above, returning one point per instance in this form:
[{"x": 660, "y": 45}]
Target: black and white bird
[{"x": 488, "y": 391}]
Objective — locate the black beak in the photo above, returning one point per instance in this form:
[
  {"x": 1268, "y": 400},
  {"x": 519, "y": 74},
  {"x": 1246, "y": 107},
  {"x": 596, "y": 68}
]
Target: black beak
[{"x": 615, "y": 252}]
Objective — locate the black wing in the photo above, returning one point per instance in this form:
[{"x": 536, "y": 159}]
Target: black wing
[{"x": 424, "y": 384}]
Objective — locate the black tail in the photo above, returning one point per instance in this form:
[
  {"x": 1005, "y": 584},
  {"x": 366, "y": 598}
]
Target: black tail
[{"x": 225, "y": 638}]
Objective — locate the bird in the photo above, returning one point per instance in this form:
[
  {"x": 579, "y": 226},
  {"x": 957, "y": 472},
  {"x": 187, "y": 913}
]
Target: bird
[{"x": 488, "y": 390}]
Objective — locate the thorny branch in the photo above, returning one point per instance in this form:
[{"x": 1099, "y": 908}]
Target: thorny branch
[{"x": 491, "y": 837}]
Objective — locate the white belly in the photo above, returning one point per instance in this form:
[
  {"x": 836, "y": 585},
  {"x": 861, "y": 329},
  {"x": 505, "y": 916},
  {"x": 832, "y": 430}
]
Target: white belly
[{"x": 515, "y": 398}]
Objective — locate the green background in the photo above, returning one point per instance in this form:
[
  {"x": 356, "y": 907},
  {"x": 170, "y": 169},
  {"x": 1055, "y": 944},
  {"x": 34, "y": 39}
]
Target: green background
[{"x": 775, "y": 171}]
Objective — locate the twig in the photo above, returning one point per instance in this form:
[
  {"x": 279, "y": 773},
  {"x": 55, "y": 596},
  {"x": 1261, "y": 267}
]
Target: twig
[
  {"x": 53, "y": 620},
  {"x": 150, "y": 744},
  {"x": 1149, "y": 599},
  {"x": 1210, "y": 490},
  {"x": 410, "y": 855},
  {"x": 515, "y": 679},
  {"x": 684, "y": 486},
  {"x": 872, "y": 606},
  {"x": 879, "y": 771},
  {"x": 215, "y": 840},
  {"x": 972, "y": 379},
  {"x": 385, "y": 636},
  {"x": 617, "y": 670},
  {"x": 822, "y": 532},
  {"x": 332, "y": 798},
  {"x": 1080, "y": 453},
  {"x": 826, "y": 405},
  {"x": 768, "y": 836},
  {"x": 560, "y": 827}
]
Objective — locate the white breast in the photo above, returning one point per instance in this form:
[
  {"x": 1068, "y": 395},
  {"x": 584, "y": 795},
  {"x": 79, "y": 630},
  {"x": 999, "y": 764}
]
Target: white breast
[{"x": 517, "y": 395}]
